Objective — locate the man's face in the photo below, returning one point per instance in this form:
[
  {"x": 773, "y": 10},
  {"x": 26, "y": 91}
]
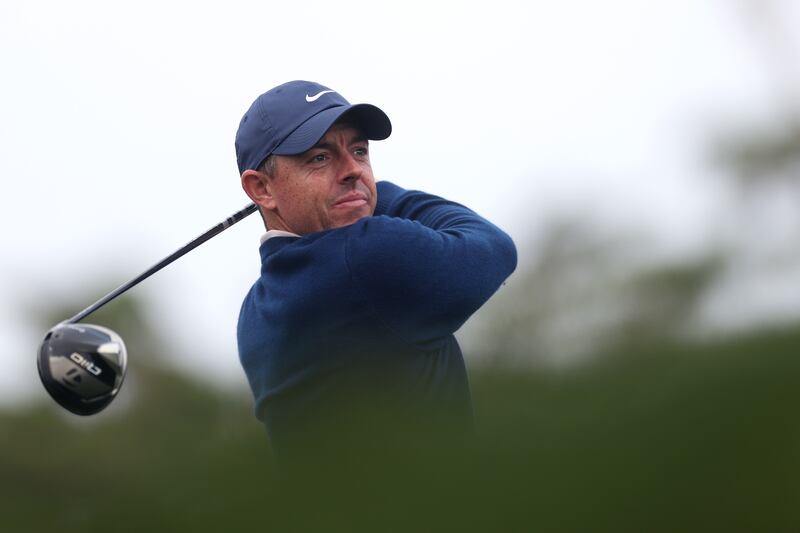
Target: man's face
[{"x": 329, "y": 186}]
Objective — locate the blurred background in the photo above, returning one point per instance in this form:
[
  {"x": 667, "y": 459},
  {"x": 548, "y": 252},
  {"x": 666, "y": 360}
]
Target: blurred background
[{"x": 640, "y": 369}]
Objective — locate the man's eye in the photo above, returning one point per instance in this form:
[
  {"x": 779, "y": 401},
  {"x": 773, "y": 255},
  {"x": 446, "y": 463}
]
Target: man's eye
[
  {"x": 319, "y": 158},
  {"x": 360, "y": 151}
]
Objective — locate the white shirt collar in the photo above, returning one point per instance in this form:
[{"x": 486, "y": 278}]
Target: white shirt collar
[{"x": 277, "y": 233}]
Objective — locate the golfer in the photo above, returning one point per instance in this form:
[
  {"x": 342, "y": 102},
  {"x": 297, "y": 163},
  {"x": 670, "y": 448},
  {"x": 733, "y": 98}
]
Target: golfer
[{"x": 362, "y": 284}]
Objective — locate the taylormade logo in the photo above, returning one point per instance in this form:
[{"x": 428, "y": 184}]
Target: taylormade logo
[
  {"x": 314, "y": 98},
  {"x": 85, "y": 363}
]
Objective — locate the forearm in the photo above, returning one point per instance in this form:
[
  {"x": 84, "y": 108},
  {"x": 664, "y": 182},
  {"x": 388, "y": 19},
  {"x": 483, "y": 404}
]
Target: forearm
[
  {"x": 436, "y": 261},
  {"x": 430, "y": 210}
]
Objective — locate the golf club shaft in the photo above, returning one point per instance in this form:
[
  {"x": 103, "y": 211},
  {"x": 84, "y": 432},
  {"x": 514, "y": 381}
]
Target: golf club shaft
[{"x": 219, "y": 228}]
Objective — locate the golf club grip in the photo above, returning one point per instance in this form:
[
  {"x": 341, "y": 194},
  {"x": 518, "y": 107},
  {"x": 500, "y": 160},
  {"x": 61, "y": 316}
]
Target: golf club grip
[{"x": 219, "y": 228}]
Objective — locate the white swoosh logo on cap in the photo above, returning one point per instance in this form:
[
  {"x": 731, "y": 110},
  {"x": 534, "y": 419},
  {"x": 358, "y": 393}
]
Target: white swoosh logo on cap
[{"x": 314, "y": 98}]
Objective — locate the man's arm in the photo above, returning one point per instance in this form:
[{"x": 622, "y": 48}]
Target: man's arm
[{"x": 425, "y": 263}]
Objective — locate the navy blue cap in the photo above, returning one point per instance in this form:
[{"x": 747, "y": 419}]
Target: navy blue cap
[{"x": 291, "y": 118}]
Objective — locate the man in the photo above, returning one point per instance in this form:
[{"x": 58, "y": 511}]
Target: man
[{"x": 350, "y": 325}]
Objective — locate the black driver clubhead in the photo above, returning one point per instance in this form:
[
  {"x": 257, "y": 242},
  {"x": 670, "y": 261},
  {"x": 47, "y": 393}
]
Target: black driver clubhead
[{"x": 82, "y": 366}]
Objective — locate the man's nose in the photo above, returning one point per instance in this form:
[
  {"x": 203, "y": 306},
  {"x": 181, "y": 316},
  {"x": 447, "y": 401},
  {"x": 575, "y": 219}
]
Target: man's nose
[{"x": 350, "y": 169}]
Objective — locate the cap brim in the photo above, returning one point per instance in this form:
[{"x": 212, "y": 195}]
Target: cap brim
[{"x": 371, "y": 120}]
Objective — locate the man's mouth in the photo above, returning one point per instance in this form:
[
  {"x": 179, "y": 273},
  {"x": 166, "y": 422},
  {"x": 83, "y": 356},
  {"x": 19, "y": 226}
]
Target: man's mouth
[{"x": 351, "y": 199}]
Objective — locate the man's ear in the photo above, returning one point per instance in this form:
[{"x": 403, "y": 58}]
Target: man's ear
[{"x": 256, "y": 185}]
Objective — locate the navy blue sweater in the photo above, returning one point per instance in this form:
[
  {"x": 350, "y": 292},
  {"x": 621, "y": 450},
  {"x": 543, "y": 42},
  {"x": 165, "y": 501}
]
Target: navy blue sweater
[{"x": 367, "y": 312}]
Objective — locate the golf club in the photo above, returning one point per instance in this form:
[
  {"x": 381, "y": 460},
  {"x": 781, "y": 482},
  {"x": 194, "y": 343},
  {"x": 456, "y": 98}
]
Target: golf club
[{"x": 82, "y": 366}]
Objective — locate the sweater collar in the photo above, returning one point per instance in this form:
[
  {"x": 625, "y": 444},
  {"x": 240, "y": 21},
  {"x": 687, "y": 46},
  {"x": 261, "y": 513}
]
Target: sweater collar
[
  {"x": 277, "y": 233},
  {"x": 274, "y": 240}
]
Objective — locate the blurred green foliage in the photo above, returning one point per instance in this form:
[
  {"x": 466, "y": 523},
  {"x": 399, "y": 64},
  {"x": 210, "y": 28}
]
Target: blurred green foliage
[
  {"x": 758, "y": 153},
  {"x": 585, "y": 292},
  {"x": 663, "y": 437}
]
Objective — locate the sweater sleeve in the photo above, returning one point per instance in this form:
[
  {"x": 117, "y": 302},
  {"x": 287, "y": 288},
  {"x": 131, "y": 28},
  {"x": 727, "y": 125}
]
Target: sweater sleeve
[{"x": 425, "y": 264}]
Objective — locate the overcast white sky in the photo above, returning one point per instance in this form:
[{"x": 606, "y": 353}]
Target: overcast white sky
[{"x": 117, "y": 123}]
